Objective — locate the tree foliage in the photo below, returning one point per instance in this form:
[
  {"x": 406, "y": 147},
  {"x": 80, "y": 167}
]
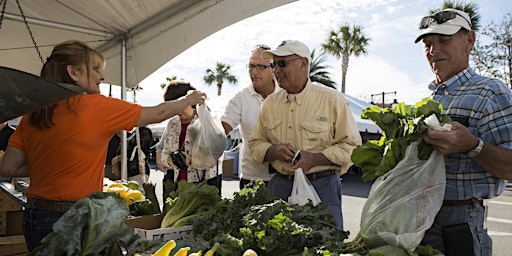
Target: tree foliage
[
  {"x": 492, "y": 53},
  {"x": 318, "y": 72},
  {"x": 348, "y": 40},
  {"x": 217, "y": 76},
  {"x": 169, "y": 79},
  {"x": 470, "y": 8},
  {"x": 134, "y": 90}
]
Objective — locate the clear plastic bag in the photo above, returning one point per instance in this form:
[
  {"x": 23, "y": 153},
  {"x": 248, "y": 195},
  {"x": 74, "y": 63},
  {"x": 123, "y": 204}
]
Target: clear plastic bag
[
  {"x": 302, "y": 190},
  {"x": 207, "y": 139},
  {"x": 403, "y": 203}
]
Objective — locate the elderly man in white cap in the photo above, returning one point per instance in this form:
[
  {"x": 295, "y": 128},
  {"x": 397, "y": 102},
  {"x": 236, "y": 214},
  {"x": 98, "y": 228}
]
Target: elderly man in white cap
[
  {"x": 479, "y": 145},
  {"x": 313, "y": 119}
]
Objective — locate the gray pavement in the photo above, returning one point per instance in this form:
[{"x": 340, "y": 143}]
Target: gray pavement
[{"x": 355, "y": 192}]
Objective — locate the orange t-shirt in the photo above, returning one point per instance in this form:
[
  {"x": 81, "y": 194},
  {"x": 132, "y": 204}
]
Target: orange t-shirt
[{"x": 66, "y": 161}]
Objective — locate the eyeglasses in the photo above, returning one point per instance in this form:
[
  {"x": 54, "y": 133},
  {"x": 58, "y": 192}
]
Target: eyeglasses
[
  {"x": 440, "y": 18},
  {"x": 281, "y": 63},
  {"x": 259, "y": 67}
]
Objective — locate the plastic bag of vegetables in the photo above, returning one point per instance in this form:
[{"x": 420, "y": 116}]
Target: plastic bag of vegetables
[
  {"x": 410, "y": 175},
  {"x": 403, "y": 202},
  {"x": 207, "y": 139}
]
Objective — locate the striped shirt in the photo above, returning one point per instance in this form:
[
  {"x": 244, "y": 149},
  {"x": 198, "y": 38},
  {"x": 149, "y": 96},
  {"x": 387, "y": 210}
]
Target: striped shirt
[{"x": 484, "y": 106}]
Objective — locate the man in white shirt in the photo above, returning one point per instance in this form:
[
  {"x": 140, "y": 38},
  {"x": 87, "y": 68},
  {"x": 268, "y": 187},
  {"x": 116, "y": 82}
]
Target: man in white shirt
[{"x": 243, "y": 110}]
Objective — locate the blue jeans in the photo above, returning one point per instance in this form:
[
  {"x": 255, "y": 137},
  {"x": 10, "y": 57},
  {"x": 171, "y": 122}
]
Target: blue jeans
[
  {"x": 328, "y": 188},
  {"x": 474, "y": 216},
  {"x": 37, "y": 224}
]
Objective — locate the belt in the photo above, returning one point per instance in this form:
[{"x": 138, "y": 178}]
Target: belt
[
  {"x": 310, "y": 176},
  {"x": 49, "y": 205},
  {"x": 471, "y": 202}
]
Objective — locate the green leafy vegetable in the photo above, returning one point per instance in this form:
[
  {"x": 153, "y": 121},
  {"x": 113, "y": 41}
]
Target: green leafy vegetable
[
  {"x": 252, "y": 220},
  {"x": 149, "y": 191},
  {"x": 193, "y": 198},
  {"x": 93, "y": 226},
  {"x": 400, "y": 127}
]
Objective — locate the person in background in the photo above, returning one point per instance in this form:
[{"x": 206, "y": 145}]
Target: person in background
[
  {"x": 135, "y": 169},
  {"x": 243, "y": 110},
  {"x": 176, "y": 151},
  {"x": 62, "y": 147},
  {"x": 479, "y": 144},
  {"x": 6, "y": 130},
  {"x": 112, "y": 151},
  {"x": 304, "y": 116}
]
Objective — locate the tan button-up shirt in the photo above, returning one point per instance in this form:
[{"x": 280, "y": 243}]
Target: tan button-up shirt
[{"x": 318, "y": 119}]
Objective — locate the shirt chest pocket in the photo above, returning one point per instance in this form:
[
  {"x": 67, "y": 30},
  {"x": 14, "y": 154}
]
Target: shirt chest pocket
[
  {"x": 272, "y": 130},
  {"x": 316, "y": 135}
]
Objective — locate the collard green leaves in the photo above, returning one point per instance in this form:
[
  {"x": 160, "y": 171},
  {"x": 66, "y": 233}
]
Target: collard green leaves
[{"x": 401, "y": 126}]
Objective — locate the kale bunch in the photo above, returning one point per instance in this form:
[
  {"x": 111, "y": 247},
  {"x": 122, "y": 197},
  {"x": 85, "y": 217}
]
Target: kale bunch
[{"x": 252, "y": 220}]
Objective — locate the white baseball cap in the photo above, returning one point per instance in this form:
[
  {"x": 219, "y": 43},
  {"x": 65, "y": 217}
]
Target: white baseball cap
[
  {"x": 445, "y": 22},
  {"x": 288, "y": 47}
]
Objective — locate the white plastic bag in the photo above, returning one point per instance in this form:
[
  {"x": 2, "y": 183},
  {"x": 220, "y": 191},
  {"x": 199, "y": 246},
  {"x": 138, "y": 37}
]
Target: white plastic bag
[
  {"x": 403, "y": 203},
  {"x": 207, "y": 139},
  {"x": 302, "y": 190}
]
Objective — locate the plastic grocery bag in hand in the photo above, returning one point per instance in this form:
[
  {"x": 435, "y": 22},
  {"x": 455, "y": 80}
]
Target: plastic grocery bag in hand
[
  {"x": 207, "y": 139},
  {"x": 403, "y": 203},
  {"x": 302, "y": 190}
]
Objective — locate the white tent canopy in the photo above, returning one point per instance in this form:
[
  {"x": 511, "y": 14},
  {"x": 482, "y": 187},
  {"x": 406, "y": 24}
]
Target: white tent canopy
[
  {"x": 357, "y": 106},
  {"x": 137, "y": 37}
]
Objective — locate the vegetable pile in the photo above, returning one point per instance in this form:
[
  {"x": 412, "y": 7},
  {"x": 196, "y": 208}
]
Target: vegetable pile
[
  {"x": 400, "y": 127},
  {"x": 252, "y": 220},
  {"x": 134, "y": 197},
  {"x": 94, "y": 226}
]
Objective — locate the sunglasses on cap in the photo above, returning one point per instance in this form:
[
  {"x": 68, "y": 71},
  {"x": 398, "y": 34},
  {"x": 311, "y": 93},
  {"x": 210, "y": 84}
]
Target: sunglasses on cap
[
  {"x": 259, "y": 67},
  {"x": 440, "y": 18},
  {"x": 281, "y": 63}
]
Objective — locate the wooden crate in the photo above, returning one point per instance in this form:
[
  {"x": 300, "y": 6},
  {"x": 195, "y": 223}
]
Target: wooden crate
[
  {"x": 13, "y": 245},
  {"x": 7, "y": 203},
  {"x": 10, "y": 223}
]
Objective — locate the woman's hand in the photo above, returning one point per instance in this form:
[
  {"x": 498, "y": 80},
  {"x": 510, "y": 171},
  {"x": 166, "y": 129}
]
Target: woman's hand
[{"x": 195, "y": 97}]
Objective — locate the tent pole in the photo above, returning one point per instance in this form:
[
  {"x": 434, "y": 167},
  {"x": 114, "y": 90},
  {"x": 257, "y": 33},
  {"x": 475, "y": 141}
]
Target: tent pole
[{"x": 124, "y": 162}]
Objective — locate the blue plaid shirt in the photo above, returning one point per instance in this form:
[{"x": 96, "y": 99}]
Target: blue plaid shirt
[{"x": 484, "y": 105}]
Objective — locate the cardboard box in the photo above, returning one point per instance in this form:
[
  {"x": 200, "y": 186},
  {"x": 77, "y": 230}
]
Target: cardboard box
[
  {"x": 10, "y": 223},
  {"x": 12, "y": 245},
  {"x": 149, "y": 227},
  {"x": 227, "y": 168}
]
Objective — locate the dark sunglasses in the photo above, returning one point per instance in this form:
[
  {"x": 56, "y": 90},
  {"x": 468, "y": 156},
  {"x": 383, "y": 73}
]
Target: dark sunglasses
[
  {"x": 259, "y": 67},
  {"x": 281, "y": 63},
  {"x": 440, "y": 18}
]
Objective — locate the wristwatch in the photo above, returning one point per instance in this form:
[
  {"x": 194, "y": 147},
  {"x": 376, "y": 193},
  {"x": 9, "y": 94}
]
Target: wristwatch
[{"x": 476, "y": 151}]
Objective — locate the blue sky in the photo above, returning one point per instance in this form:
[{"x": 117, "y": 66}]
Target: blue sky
[{"x": 393, "y": 63}]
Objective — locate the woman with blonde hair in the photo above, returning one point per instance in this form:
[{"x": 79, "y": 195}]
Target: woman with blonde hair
[{"x": 62, "y": 147}]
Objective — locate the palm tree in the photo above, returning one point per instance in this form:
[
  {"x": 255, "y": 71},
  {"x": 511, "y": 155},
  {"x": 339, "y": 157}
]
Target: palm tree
[
  {"x": 347, "y": 41},
  {"x": 318, "y": 72},
  {"x": 469, "y": 8},
  {"x": 134, "y": 90},
  {"x": 218, "y": 76},
  {"x": 168, "y": 79}
]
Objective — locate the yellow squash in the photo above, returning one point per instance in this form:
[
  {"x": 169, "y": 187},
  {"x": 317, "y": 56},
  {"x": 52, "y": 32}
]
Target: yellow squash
[
  {"x": 182, "y": 251},
  {"x": 166, "y": 249}
]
